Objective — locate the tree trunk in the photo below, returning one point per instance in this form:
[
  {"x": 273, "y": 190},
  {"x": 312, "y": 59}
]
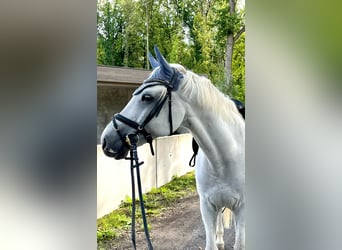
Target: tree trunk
[
  {"x": 125, "y": 47},
  {"x": 147, "y": 38},
  {"x": 229, "y": 58},
  {"x": 229, "y": 47}
]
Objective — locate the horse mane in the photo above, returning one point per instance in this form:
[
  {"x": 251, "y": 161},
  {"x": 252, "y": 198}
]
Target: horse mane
[{"x": 201, "y": 90}]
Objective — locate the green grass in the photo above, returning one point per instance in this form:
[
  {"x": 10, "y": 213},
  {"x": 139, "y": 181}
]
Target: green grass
[{"x": 112, "y": 225}]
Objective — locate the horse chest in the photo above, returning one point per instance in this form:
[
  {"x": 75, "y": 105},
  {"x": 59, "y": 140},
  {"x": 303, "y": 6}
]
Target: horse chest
[{"x": 220, "y": 194}]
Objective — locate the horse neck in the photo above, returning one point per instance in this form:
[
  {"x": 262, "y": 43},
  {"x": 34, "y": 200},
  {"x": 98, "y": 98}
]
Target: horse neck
[{"x": 222, "y": 141}]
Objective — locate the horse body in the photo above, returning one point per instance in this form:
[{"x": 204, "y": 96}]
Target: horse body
[
  {"x": 220, "y": 171},
  {"x": 215, "y": 123}
]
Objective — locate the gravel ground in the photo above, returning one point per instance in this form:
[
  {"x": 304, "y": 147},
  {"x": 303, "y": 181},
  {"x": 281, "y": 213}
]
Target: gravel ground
[{"x": 180, "y": 227}]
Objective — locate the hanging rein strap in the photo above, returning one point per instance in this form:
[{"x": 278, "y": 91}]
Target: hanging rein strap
[
  {"x": 195, "y": 148},
  {"x": 132, "y": 140}
]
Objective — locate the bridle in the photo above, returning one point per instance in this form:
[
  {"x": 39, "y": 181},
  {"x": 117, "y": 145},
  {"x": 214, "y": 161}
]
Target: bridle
[
  {"x": 130, "y": 140},
  {"x": 171, "y": 85}
]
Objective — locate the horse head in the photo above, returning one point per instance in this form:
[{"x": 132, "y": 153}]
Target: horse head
[{"x": 153, "y": 111}]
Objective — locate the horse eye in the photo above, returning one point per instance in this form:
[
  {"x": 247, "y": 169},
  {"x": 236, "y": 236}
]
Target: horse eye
[{"x": 147, "y": 98}]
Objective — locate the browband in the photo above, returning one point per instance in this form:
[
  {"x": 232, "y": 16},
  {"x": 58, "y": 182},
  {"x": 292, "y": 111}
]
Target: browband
[{"x": 170, "y": 85}]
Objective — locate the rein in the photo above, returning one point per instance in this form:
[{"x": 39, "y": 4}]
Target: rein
[{"x": 131, "y": 140}]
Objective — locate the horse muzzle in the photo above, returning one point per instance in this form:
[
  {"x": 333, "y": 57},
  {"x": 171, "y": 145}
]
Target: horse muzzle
[
  {"x": 118, "y": 154},
  {"x": 113, "y": 146}
]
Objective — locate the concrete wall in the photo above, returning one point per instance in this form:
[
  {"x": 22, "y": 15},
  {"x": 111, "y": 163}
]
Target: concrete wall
[
  {"x": 110, "y": 100},
  {"x": 172, "y": 155}
]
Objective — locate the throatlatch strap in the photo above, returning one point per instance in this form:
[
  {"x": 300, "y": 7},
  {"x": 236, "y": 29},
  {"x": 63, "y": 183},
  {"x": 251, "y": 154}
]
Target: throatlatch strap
[{"x": 240, "y": 106}]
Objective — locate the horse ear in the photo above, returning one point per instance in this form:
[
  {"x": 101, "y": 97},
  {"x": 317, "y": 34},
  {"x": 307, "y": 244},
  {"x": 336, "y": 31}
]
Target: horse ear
[
  {"x": 163, "y": 63},
  {"x": 154, "y": 63}
]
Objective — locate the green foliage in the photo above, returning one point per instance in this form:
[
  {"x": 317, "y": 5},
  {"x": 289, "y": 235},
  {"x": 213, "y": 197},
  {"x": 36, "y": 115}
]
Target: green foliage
[
  {"x": 111, "y": 226},
  {"x": 238, "y": 66},
  {"x": 190, "y": 32}
]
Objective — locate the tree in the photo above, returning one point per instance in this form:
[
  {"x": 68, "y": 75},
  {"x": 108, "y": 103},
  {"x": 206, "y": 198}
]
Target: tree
[
  {"x": 109, "y": 32},
  {"x": 230, "y": 24},
  {"x": 206, "y": 36}
]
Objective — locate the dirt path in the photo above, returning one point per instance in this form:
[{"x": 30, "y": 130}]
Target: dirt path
[{"x": 180, "y": 227}]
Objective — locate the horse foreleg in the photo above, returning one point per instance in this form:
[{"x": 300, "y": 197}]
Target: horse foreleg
[
  {"x": 239, "y": 229},
  {"x": 209, "y": 215},
  {"x": 219, "y": 231}
]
